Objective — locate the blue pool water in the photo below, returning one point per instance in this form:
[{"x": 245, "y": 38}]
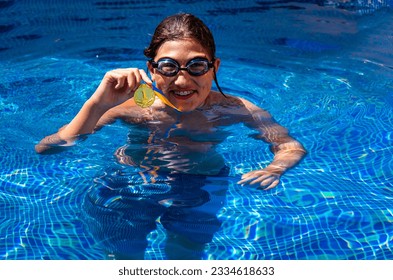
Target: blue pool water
[{"x": 324, "y": 70}]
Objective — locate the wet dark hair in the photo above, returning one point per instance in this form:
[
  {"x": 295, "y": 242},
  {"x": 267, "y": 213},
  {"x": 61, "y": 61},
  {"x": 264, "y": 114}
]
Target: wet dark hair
[{"x": 179, "y": 27}]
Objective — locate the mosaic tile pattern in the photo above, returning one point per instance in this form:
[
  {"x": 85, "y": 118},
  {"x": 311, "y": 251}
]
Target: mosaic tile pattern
[{"x": 333, "y": 94}]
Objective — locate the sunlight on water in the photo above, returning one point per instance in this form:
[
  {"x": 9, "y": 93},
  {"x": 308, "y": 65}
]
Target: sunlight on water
[{"x": 323, "y": 71}]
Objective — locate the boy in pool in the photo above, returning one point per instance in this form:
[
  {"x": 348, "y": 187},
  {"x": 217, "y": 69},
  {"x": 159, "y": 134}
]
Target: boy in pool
[{"x": 183, "y": 65}]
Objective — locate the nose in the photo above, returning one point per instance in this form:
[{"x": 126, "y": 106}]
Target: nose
[{"x": 182, "y": 78}]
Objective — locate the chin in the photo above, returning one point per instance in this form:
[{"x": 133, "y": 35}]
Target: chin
[{"x": 186, "y": 108}]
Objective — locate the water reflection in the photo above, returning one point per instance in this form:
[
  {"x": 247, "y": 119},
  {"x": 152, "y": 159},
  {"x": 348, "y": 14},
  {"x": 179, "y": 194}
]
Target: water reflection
[
  {"x": 125, "y": 205},
  {"x": 176, "y": 181}
]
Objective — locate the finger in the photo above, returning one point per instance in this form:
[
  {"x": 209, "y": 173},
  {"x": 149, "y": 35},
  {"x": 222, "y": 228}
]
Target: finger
[
  {"x": 132, "y": 80},
  {"x": 250, "y": 175},
  {"x": 260, "y": 179},
  {"x": 245, "y": 180},
  {"x": 119, "y": 81},
  {"x": 272, "y": 185},
  {"x": 145, "y": 77},
  {"x": 268, "y": 181},
  {"x": 138, "y": 77}
]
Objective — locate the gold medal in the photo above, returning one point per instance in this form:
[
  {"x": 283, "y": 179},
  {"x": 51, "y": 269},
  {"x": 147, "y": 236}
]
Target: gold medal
[{"x": 144, "y": 96}]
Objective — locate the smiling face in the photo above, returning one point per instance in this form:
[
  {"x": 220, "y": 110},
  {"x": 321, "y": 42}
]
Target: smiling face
[{"x": 183, "y": 90}]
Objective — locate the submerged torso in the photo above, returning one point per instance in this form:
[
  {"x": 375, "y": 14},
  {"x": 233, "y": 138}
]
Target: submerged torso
[{"x": 169, "y": 141}]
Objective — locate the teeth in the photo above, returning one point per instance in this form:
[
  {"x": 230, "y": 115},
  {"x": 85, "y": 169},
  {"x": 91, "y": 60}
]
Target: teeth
[{"x": 183, "y": 92}]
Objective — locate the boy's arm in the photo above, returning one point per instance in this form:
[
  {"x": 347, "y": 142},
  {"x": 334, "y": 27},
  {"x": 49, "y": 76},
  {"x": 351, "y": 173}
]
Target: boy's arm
[{"x": 287, "y": 151}]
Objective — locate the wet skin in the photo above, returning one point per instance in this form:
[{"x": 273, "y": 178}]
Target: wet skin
[{"x": 201, "y": 111}]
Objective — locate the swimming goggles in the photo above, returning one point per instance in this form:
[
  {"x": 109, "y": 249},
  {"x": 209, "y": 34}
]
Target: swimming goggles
[
  {"x": 145, "y": 95},
  {"x": 170, "y": 67}
]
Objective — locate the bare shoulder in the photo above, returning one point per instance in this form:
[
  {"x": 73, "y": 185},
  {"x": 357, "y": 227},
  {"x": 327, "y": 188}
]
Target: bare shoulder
[
  {"x": 236, "y": 104},
  {"x": 216, "y": 98},
  {"x": 255, "y": 110}
]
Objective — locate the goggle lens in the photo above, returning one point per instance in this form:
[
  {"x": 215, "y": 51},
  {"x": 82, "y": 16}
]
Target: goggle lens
[{"x": 169, "y": 67}]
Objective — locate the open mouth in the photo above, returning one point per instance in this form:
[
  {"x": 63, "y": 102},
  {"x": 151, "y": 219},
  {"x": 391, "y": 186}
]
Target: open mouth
[{"x": 183, "y": 94}]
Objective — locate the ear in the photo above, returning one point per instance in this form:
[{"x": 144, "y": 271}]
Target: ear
[
  {"x": 217, "y": 63},
  {"x": 151, "y": 70}
]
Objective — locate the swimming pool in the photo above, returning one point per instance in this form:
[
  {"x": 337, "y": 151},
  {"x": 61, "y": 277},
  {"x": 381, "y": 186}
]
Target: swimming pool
[{"x": 324, "y": 71}]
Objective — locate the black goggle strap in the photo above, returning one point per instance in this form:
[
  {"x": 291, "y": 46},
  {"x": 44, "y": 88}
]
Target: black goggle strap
[{"x": 215, "y": 80}]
